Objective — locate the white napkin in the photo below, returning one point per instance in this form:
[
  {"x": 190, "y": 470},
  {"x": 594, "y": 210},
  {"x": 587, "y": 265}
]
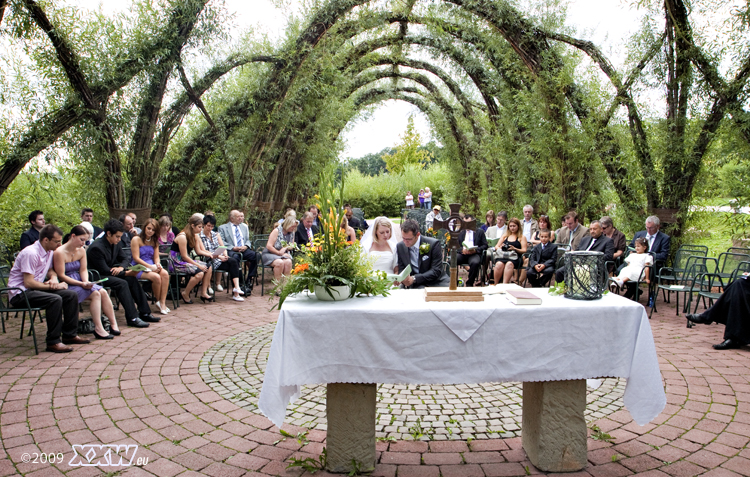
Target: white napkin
[{"x": 454, "y": 315}]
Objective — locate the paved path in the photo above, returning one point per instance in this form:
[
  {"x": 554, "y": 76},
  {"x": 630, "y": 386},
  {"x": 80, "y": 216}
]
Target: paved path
[{"x": 155, "y": 388}]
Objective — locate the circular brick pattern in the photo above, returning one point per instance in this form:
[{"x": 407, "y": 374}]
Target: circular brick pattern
[{"x": 234, "y": 369}]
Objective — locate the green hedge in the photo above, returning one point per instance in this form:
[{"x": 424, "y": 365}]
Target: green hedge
[{"x": 384, "y": 194}]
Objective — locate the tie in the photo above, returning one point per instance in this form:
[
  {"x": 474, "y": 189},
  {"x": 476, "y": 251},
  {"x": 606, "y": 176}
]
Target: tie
[
  {"x": 238, "y": 236},
  {"x": 650, "y": 242},
  {"x": 591, "y": 244},
  {"x": 414, "y": 253},
  {"x": 309, "y": 235}
]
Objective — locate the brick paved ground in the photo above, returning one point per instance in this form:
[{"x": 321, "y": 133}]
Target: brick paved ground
[{"x": 145, "y": 388}]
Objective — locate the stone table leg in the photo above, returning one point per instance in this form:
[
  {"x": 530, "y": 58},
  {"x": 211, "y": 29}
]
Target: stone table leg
[
  {"x": 553, "y": 427},
  {"x": 350, "y": 410}
]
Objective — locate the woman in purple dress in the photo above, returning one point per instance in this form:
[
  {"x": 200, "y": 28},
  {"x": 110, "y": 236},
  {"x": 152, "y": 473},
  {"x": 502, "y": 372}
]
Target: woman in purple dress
[
  {"x": 144, "y": 247},
  {"x": 70, "y": 265}
]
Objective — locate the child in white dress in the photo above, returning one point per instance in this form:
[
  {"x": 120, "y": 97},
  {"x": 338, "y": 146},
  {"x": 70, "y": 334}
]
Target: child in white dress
[{"x": 636, "y": 262}]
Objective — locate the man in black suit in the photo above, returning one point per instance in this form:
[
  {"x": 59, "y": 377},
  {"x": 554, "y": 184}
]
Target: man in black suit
[
  {"x": 106, "y": 256},
  {"x": 354, "y": 222},
  {"x": 32, "y": 235},
  {"x": 305, "y": 230},
  {"x": 471, "y": 256},
  {"x": 595, "y": 242},
  {"x": 542, "y": 261},
  {"x": 87, "y": 215},
  {"x": 658, "y": 242},
  {"x": 424, "y": 254}
]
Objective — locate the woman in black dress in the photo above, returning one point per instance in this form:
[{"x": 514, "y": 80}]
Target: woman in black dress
[{"x": 512, "y": 241}]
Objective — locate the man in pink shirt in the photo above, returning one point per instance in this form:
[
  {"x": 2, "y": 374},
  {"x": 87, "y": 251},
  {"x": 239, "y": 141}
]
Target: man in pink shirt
[{"x": 32, "y": 266}]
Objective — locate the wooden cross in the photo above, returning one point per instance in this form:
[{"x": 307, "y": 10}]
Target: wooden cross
[{"x": 454, "y": 225}]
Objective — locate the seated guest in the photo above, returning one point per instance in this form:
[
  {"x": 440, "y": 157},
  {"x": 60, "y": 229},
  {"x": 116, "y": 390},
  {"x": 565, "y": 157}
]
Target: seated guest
[
  {"x": 562, "y": 226},
  {"x": 542, "y": 259},
  {"x": 145, "y": 251},
  {"x": 636, "y": 262},
  {"x": 378, "y": 242},
  {"x": 658, "y": 242},
  {"x": 501, "y": 225},
  {"x": 351, "y": 234},
  {"x": 306, "y": 230},
  {"x": 30, "y": 270},
  {"x": 489, "y": 220},
  {"x": 136, "y": 230},
  {"x": 617, "y": 237},
  {"x": 732, "y": 309},
  {"x": 314, "y": 211},
  {"x": 87, "y": 215},
  {"x": 278, "y": 251},
  {"x": 166, "y": 236},
  {"x": 289, "y": 212},
  {"x": 37, "y": 224},
  {"x": 236, "y": 235},
  {"x": 127, "y": 230},
  {"x": 71, "y": 267},
  {"x": 512, "y": 241},
  {"x": 210, "y": 241},
  {"x": 430, "y": 219},
  {"x": 529, "y": 223},
  {"x": 354, "y": 222},
  {"x": 596, "y": 241},
  {"x": 89, "y": 233},
  {"x": 107, "y": 257},
  {"x": 544, "y": 224},
  {"x": 471, "y": 256},
  {"x": 425, "y": 256},
  {"x": 573, "y": 232},
  {"x": 181, "y": 254}
]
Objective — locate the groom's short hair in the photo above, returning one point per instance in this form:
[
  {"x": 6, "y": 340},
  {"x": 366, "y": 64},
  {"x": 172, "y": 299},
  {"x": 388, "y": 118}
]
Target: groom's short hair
[{"x": 410, "y": 225}]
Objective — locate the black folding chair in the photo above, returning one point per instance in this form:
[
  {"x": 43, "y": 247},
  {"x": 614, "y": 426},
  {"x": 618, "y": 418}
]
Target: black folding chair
[{"x": 6, "y": 309}]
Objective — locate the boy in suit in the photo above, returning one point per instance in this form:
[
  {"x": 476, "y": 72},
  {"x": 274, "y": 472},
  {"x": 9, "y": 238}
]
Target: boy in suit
[{"x": 542, "y": 261}]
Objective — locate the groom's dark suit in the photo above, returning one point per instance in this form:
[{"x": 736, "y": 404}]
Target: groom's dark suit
[{"x": 430, "y": 272}]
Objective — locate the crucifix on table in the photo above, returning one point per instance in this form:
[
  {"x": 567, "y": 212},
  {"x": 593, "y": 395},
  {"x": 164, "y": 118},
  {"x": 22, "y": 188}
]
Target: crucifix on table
[{"x": 454, "y": 225}]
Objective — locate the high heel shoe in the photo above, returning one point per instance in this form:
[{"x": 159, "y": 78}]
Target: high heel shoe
[
  {"x": 107, "y": 337},
  {"x": 162, "y": 309},
  {"x": 208, "y": 300},
  {"x": 187, "y": 302},
  {"x": 114, "y": 332}
]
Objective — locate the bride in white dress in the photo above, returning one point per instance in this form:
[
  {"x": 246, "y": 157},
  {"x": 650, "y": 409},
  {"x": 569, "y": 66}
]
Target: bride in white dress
[{"x": 378, "y": 242}]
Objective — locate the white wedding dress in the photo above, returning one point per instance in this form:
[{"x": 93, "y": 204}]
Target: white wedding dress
[{"x": 383, "y": 261}]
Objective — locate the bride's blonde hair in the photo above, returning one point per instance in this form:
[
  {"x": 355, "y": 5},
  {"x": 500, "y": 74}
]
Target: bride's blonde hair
[{"x": 378, "y": 222}]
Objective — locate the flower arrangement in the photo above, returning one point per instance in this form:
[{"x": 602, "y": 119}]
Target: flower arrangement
[
  {"x": 431, "y": 232},
  {"x": 330, "y": 260}
]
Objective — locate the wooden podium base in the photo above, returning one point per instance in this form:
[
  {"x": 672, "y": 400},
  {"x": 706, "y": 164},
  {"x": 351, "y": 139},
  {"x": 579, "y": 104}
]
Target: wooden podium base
[{"x": 446, "y": 294}]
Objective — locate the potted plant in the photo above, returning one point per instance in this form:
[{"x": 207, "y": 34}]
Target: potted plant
[{"x": 331, "y": 266}]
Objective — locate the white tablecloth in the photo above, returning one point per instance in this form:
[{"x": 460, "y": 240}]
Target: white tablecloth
[{"x": 398, "y": 339}]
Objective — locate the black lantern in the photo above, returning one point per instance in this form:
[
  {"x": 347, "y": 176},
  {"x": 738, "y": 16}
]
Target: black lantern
[{"x": 584, "y": 275}]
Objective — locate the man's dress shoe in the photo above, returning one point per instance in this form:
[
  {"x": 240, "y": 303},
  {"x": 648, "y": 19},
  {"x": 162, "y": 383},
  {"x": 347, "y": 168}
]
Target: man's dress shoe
[
  {"x": 59, "y": 348},
  {"x": 150, "y": 318},
  {"x": 137, "y": 323},
  {"x": 75, "y": 340},
  {"x": 728, "y": 344},
  {"x": 698, "y": 319}
]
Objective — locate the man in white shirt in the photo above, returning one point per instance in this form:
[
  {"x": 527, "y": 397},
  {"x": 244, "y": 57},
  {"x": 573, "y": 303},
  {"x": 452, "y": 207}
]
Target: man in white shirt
[{"x": 529, "y": 223}]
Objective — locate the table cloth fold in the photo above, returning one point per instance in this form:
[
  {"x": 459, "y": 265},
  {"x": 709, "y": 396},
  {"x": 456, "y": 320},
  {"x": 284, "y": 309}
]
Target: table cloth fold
[{"x": 399, "y": 340}]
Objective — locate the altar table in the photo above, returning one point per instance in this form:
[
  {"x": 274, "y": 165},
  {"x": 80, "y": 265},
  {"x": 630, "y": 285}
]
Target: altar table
[{"x": 552, "y": 348}]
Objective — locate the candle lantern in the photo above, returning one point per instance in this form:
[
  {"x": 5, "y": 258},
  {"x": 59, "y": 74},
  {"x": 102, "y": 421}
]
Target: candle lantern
[{"x": 584, "y": 275}]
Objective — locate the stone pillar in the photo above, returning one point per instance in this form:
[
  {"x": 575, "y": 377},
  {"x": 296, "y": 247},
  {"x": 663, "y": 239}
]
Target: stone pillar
[
  {"x": 350, "y": 410},
  {"x": 553, "y": 427}
]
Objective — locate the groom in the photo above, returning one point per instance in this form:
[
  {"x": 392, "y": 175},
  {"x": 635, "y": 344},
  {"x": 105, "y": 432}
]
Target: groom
[{"x": 425, "y": 256}]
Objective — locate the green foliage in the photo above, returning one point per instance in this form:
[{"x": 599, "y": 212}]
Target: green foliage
[
  {"x": 309, "y": 464},
  {"x": 60, "y": 195},
  {"x": 408, "y": 152},
  {"x": 384, "y": 194}
]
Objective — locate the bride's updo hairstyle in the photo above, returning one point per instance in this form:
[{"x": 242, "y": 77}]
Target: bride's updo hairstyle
[{"x": 380, "y": 222}]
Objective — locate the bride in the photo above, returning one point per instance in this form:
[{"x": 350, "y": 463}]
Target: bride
[{"x": 378, "y": 242}]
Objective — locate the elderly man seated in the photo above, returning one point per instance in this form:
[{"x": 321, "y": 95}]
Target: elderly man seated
[{"x": 658, "y": 242}]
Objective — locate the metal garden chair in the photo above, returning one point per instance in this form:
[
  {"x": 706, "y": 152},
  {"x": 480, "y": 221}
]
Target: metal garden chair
[{"x": 711, "y": 281}]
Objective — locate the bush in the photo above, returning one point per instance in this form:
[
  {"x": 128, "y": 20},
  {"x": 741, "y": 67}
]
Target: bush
[{"x": 384, "y": 194}]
